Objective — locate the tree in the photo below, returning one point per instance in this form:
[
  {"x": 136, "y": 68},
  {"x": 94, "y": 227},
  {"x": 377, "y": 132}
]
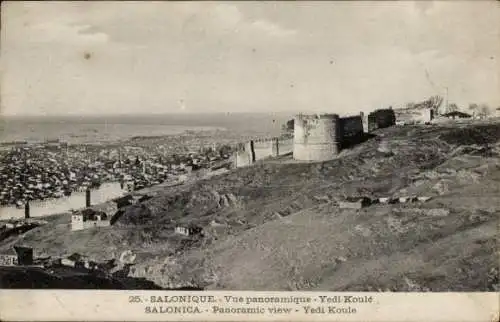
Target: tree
[
  {"x": 473, "y": 106},
  {"x": 289, "y": 126},
  {"x": 225, "y": 150},
  {"x": 452, "y": 108},
  {"x": 484, "y": 111},
  {"x": 433, "y": 103},
  {"x": 474, "y": 109}
]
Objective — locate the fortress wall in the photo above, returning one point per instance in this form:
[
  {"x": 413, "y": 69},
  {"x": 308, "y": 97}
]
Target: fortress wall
[
  {"x": 352, "y": 130},
  {"x": 263, "y": 148},
  {"x": 316, "y": 137},
  {"x": 260, "y": 149},
  {"x": 285, "y": 146},
  {"x": 412, "y": 116},
  {"x": 364, "y": 119},
  {"x": 103, "y": 223},
  {"x": 351, "y": 126},
  {"x": 380, "y": 119},
  {"x": 245, "y": 155},
  {"x": 242, "y": 159}
]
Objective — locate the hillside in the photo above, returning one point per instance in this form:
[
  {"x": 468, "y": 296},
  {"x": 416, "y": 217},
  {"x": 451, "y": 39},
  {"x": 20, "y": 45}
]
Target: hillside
[
  {"x": 65, "y": 278},
  {"x": 276, "y": 225}
]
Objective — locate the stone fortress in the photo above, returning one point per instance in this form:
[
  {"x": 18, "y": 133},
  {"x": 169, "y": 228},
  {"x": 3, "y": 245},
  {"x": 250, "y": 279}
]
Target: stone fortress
[{"x": 316, "y": 137}]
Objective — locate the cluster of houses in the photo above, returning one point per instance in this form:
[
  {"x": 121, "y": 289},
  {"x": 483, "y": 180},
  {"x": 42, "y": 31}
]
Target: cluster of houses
[
  {"x": 17, "y": 256},
  {"x": 39, "y": 173},
  {"x": 54, "y": 170},
  {"x": 104, "y": 214},
  {"x": 76, "y": 260},
  {"x": 362, "y": 202},
  {"x": 18, "y": 226},
  {"x": 428, "y": 116},
  {"x": 189, "y": 230}
]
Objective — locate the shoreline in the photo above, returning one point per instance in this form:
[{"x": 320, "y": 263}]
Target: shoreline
[{"x": 187, "y": 130}]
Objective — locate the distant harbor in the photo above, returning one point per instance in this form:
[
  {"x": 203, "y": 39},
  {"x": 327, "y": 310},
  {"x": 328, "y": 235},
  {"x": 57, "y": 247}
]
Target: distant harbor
[{"x": 84, "y": 131}]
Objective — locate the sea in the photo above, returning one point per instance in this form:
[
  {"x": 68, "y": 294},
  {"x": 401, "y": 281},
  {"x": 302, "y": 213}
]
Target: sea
[{"x": 104, "y": 128}]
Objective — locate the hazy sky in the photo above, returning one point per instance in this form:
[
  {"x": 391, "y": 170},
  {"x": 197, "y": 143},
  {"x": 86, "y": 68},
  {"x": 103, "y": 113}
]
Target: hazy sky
[{"x": 131, "y": 57}]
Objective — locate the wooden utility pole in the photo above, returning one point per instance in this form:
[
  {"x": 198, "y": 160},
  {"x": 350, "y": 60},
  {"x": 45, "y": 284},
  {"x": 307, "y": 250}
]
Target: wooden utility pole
[{"x": 446, "y": 107}]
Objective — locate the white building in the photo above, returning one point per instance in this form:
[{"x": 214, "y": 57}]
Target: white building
[
  {"x": 9, "y": 258},
  {"x": 427, "y": 115},
  {"x": 89, "y": 218},
  {"x": 182, "y": 231}
]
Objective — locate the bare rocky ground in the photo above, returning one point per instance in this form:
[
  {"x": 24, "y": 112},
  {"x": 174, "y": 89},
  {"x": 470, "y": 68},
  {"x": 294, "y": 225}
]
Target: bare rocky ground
[{"x": 276, "y": 225}]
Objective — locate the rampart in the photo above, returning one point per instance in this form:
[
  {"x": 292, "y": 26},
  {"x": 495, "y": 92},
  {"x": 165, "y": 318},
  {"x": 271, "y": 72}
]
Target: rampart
[
  {"x": 380, "y": 119},
  {"x": 316, "y": 137},
  {"x": 258, "y": 149},
  {"x": 351, "y": 128},
  {"x": 245, "y": 154}
]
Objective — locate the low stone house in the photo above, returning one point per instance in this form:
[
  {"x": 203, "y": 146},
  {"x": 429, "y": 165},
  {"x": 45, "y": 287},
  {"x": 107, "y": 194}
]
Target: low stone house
[
  {"x": 74, "y": 260},
  {"x": 189, "y": 230},
  {"x": 8, "y": 258},
  {"x": 355, "y": 203},
  {"x": 67, "y": 262},
  {"x": 99, "y": 215},
  {"x": 456, "y": 115},
  {"x": 18, "y": 255},
  {"x": 124, "y": 201},
  {"x": 89, "y": 218}
]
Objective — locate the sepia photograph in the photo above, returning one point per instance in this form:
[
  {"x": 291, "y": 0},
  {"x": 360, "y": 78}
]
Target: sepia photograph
[{"x": 250, "y": 146}]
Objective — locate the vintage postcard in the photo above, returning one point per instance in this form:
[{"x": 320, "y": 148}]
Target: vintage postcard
[{"x": 249, "y": 161}]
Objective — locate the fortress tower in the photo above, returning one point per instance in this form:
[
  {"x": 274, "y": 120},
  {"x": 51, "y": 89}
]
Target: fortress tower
[{"x": 316, "y": 137}]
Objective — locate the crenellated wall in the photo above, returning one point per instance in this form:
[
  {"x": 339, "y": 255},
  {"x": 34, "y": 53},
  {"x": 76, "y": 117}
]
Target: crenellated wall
[
  {"x": 352, "y": 131},
  {"x": 285, "y": 146},
  {"x": 351, "y": 126},
  {"x": 263, "y": 148},
  {"x": 245, "y": 155},
  {"x": 380, "y": 119},
  {"x": 259, "y": 149},
  {"x": 315, "y": 138}
]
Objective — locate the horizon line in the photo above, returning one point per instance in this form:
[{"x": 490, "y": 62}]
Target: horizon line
[{"x": 142, "y": 114}]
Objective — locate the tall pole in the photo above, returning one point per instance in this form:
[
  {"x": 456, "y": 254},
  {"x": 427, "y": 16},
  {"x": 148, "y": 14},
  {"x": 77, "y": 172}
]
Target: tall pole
[
  {"x": 27, "y": 210},
  {"x": 446, "y": 104},
  {"x": 87, "y": 198}
]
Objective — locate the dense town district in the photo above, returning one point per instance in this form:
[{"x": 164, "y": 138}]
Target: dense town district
[{"x": 54, "y": 169}]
